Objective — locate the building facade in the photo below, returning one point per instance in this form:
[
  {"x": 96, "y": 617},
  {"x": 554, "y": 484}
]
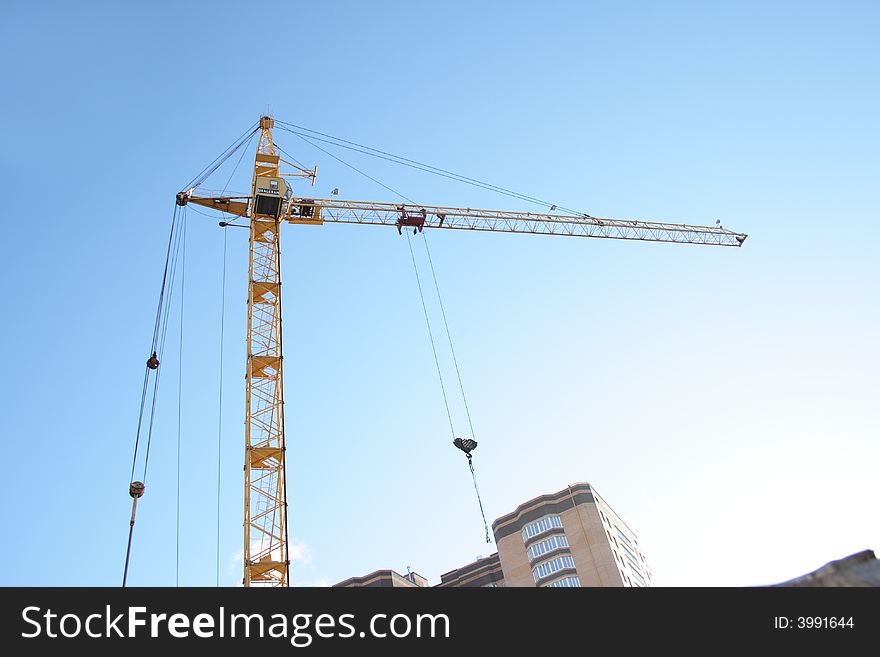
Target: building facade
[
  {"x": 571, "y": 538},
  {"x": 482, "y": 572},
  {"x": 385, "y": 578}
]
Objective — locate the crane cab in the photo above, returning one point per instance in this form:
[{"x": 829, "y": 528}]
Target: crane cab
[{"x": 269, "y": 196}]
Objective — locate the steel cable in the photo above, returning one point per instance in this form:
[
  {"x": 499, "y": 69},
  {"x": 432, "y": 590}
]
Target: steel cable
[
  {"x": 220, "y": 159},
  {"x": 427, "y": 323},
  {"x": 180, "y": 397},
  {"x": 430, "y": 335},
  {"x": 421, "y": 166},
  {"x": 220, "y": 397}
]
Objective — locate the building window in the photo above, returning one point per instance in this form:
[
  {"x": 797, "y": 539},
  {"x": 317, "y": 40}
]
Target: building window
[
  {"x": 633, "y": 563},
  {"x": 638, "y": 576},
  {"x": 540, "y": 526},
  {"x": 623, "y": 537},
  {"x": 570, "y": 581},
  {"x": 562, "y": 562},
  {"x": 553, "y": 543},
  {"x": 630, "y": 554}
]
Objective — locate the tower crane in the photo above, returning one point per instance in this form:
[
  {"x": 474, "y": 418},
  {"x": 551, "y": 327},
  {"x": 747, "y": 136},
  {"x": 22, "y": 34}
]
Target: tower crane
[{"x": 272, "y": 202}]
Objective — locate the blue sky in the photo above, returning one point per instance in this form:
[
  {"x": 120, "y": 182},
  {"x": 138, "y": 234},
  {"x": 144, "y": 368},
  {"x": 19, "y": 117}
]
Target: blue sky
[{"x": 723, "y": 401}]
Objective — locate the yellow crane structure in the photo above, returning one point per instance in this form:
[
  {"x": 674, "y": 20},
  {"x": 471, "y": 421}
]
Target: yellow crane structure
[{"x": 272, "y": 202}]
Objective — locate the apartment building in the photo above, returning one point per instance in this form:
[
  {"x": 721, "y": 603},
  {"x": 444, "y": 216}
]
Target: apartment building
[{"x": 570, "y": 538}]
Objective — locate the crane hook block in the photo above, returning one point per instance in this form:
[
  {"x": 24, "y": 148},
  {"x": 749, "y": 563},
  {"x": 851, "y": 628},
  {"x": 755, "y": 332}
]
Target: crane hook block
[
  {"x": 153, "y": 362},
  {"x": 466, "y": 445},
  {"x": 136, "y": 489}
]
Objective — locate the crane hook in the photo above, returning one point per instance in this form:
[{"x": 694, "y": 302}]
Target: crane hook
[{"x": 466, "y": 445}]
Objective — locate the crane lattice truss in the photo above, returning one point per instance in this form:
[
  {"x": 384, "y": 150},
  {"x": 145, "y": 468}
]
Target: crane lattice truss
[
  {"x": 266, "y": 556},
  {"x": 265, "y": 495}
]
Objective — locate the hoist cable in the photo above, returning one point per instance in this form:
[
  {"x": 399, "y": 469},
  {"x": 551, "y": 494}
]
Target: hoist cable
[
  {"x": 243, "y": 151},
  {"x": 150, "y": 426},
  {"x": 449, "y": 336},
  {"x": 180, "y": 397},
  {"x": 161, "y": 345},
  {"x": 140, "y": 421},
  {"x": 432, "y": 170},
  {"x": 165, "y": 282},
  {"x": 176, "y": 244},
  {"x": 350, "y": 166},
  {"x": 460, "y": 384},
  {"x": 479, "y": 498},
  {"x": 427, "y": 320},
  {"x": 243, "y": 144},
  {"x": 220, "y": 378},
  {"x": 282, "y": 433},
  {"x": 430, "y": 335},
  {"x": 220, "y": 159},
  {"x": 161, "y": 311},
  {"x": 171, "y": 237},
  {"x": 220, "y": 397},
  {"x": 421, "y": 166}
]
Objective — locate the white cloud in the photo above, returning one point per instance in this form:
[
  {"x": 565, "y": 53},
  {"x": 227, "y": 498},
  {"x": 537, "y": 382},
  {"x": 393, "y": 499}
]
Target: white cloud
[{"x": 299, "y": 554}]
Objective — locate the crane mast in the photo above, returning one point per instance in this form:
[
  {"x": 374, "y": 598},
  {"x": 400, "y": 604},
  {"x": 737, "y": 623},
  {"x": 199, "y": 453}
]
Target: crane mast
[
  {"x": 266, "y": 556},
  {"x": 266, "y": 560}
]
